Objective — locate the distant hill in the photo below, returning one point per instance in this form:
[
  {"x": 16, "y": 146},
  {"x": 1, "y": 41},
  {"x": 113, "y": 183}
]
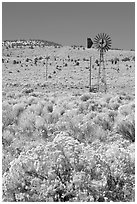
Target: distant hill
[{"x": 29, "y": 43}]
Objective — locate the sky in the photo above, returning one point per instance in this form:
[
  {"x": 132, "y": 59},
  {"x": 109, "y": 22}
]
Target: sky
[{"x": 70, "y": 23}]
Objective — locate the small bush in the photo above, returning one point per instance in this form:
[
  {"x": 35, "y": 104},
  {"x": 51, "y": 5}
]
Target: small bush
[
  {"x": 116, "y": 59},
  {"x": 39, "y": 122},
  {"x": 52, "y": 118},
  {"x": 31, "y": 100},
  {"x": 27, "y": 121},
  {"x": 18, "y": 109},
  {"x": 50, "y": 108},
  {"x": 7, "y": 137},
  {"x": 126, "y": 127},
  {"x": 114, "y": 103},
  {"x": 107, "y": 98},
  {"x": 104, "y": 121},
  {"x": 27, "y": 90},
  {"x": 133, "y": 58},
  {"x": 85, "y": 97},
  {"x": 126, "y": 59},
  {"x": 7, "y": 115},
  {"x": 127, "y": 109},
  {"x": 112, "y": 115},
  {"x": 14, "y": 61},
  {"x": 62, "y": 111},
  {"x": 77, "y": 63},
  {"x": 36, "y": 108},
  {"x": 83, "y": 107}
]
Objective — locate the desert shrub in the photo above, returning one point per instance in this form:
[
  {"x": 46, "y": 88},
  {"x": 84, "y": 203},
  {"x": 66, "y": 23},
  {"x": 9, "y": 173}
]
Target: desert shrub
[
  {"x": 35, "y": 94},
  {"x": 92, "y": 106},
  {"x": 50, "y": 108},
  {"x": 85, "y": 97},
  {"x": 127, "y": 109},
  {"x": 126, "y": 59},
  {"x": 116, "y": 99},
  {"x": 65, "y": 170},
  {"x": 41, "y": 127},
  {"x": 102, "y": 103},
  {"x": 27, "y": 90},
  {"x": 27, "y": 121},
  {"x": 52, "y": 118},
  {"x": 27, "y": 60},
  {"x": 84, "y": 59},
  {"x": 89, "y": 116},
  {"x": 14, "y": 61},
  {"x": 7, "y": 115},
  {"x": 129, "y": 97},
  {"x": 31, "y": 100},
  {"x": 83, "y": 107},
  {"x": 51, "y": 166},
  {"x": 49, "y": 76},
  {"x": 71, "y": 121},
  {"x": 48, "y": 114},
  {"x": 120, "y": 180},
  {"x": 18, "y": 109},
  {"x": 62, "y": 111},
  {"x": 52, "y": 100},
  {"x": 3, "y": 93},
  {"x": 36, "y": 108},
  {"x": 126, "y": 127},
  {"x": 82, "y": 130},
  {"x": 104, "y": 121},
  {"x": 77, "y": 63},
  {"x": 92, "y": 132},
  {"x": 7, "y": 137},
  {"x": 13, "y": 101},
  {"x": 39, "y": 122},
  {"x": 116, "y": 59},
  {"x": 112, "y": 115},
  {"x": 11, "y": 94},
  {"x": 133, "y": 58},
  {"x": 114, "y": 103},
  {"x": 107, "y": 98}
]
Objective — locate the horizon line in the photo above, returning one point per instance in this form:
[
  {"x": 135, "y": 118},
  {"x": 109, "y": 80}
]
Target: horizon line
[{"x": 60, "y": 44}]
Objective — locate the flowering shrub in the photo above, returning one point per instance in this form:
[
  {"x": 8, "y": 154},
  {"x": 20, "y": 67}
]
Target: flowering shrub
[
  {"x": 71, "y": 150},
  {"x": 65, "y": 170}
]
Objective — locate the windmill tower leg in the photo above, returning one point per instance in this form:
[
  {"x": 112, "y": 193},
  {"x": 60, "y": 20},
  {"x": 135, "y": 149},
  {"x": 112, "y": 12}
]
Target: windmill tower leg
[
  {"x": 104, "y": 75},
  {"x": 99, "y": 72}
]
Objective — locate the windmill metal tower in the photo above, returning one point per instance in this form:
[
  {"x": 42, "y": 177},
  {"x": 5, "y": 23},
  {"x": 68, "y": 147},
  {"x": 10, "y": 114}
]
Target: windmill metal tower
[{"x": 102, "y": 43}]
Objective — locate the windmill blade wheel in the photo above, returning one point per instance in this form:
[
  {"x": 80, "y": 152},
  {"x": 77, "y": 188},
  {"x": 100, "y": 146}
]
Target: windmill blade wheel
[{"x": 102, "y": 42}]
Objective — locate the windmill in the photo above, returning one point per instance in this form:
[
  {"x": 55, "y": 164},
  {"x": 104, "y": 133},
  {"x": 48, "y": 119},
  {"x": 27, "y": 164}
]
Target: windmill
[{"x": 102, "y": 42}]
